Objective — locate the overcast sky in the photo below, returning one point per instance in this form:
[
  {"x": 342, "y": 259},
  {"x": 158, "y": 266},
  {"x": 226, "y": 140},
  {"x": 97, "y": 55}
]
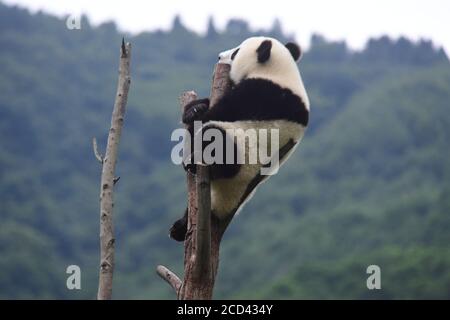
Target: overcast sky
[{"x": 352, "y": 20}]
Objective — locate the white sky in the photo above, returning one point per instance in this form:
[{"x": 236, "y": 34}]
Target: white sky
[{"x": 352, "y": 20}]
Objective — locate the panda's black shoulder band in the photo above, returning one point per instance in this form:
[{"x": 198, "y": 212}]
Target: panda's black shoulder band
[{"x": 259, "y": 100}]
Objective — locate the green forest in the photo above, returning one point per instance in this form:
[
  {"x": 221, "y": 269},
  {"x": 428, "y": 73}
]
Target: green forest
[{"x": 369, "y": 184}]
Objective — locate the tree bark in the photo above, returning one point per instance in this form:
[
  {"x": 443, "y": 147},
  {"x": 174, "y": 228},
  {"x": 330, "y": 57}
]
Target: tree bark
[
  {"x": 201, "y": 247},
  {"x": 108, "y": 178},
  {"x": 202, "y": 241}
]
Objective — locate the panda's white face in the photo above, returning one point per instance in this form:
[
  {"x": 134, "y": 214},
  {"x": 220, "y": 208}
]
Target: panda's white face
[{"x": 266, "y": 58}]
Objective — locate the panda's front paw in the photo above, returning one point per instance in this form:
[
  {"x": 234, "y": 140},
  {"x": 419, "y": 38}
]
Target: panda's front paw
[
  {"x": 190, "y": 167},
  {"x": 195, "y": 110}
]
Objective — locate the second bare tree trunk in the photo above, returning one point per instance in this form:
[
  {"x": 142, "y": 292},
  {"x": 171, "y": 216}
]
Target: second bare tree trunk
[{"x": 108, "y": 178}]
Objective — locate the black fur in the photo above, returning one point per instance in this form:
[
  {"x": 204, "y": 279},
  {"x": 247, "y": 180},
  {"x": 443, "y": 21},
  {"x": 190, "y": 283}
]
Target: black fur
[
  {"x": 263, "y": 51},
  {"x": 294, "y": 49},
  {"x": 233, "y": 55},
  {"x": 194, "y": 110},
  {"x": 259, "y": 99},
  {"x": 217, "y": 170},
  {"x": 224, "y": 170},
  {"x": 251, "y": 99},
  {"x": 179, "y": 228}
]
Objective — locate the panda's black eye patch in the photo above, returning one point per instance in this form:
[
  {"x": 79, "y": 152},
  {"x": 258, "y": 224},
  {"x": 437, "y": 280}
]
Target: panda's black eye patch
[{"x": 234, "y": 54}]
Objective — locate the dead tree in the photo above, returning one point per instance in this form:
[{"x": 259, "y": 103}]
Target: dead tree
[
  {"x": 108, "y": 179},
  {"x": 205, "y": 231}
]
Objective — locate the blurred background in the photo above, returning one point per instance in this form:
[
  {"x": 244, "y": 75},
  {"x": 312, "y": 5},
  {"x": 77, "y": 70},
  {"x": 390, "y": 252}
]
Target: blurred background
[{"x": 370, "y": 183}]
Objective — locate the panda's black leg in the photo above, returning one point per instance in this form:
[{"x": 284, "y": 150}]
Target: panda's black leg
[
  {"x": 193, "y": 111},
  {"x": 222, "y": 169},
  {"x": 179, "y": 228}
]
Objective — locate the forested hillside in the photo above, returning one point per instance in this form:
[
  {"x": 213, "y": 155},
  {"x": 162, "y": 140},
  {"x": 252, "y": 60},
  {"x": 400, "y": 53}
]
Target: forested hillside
[{"x": 370, "y": 183}]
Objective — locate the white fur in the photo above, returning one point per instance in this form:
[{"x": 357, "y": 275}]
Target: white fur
[
  {"x": 280, "y": 69},
  {"x": 226, "y": 193},
  {"x": 225, "y": 56}
]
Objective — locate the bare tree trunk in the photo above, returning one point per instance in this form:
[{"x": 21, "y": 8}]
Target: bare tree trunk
[
  {"x": 201, "y": 253},
  {"x": 108, "y": 179}
]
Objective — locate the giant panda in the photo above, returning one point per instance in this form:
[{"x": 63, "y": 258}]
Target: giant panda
[{"x": 267, "y": 93}]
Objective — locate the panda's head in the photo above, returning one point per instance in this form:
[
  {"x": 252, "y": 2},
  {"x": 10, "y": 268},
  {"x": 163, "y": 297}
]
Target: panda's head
[{"x": 267, "y": 58}]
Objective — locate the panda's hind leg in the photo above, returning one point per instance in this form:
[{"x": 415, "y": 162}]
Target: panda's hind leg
[
  {"x": 179, "y": 228},
  {"x": 222, "y": 169}
]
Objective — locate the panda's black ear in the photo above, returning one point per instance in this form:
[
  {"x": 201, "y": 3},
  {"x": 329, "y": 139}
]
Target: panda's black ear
[
  {"x": 294, "y": 49},
  {"x": 263, "y": 51}
]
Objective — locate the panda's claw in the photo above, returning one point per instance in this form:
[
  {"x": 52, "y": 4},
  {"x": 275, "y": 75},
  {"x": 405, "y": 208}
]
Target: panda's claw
[{"x": 195, "y": 110}]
